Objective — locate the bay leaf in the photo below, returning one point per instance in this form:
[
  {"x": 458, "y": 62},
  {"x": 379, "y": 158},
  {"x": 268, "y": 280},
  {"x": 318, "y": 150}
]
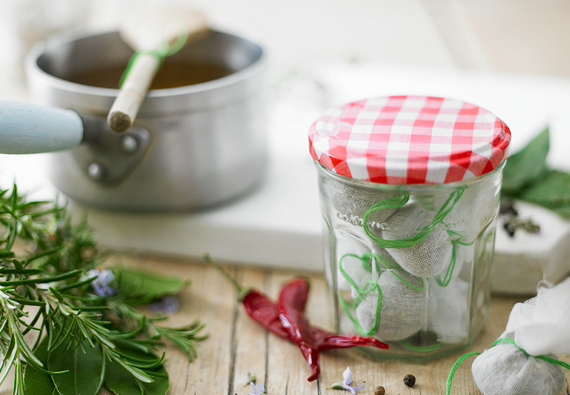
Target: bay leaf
[
  {"x": 86, "y": 370},
  {"x": 35, "y": 381},
  {"x": 551, "y": 191},
  {"x": 527, "y": 165},
  {"x": 136, "y": 284},
  {"x": 121, "y": 382}
]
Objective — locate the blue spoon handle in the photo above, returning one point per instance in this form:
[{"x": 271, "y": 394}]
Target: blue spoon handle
[{"x": 27, "y": 128}]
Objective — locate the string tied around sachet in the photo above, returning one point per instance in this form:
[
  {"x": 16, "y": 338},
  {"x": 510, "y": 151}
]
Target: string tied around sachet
[
  {"x": 371, "y": 288},
  {"x": 401, "y": 201},
  {"x": 453, "y": 237}
]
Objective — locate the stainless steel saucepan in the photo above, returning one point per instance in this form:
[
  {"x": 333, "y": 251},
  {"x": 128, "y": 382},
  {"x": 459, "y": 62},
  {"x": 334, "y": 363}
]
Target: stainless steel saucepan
[{"x": 191, "y": 147}]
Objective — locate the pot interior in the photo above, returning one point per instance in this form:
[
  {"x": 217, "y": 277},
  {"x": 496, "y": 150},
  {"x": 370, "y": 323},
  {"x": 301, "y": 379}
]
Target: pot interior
[{"x": 99, "y": 60}]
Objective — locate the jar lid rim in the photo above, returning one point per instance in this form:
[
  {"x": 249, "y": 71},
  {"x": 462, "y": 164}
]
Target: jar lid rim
[{"x": 404, "y": 140}]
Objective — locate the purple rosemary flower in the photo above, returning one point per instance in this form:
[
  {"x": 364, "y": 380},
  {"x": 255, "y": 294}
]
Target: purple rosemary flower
[
  {"x": 345, "y": 383},
  {"x": 260, "y": 390},
  {"x": 168, "y": 305},
  {"x": 101, "y": 283}
]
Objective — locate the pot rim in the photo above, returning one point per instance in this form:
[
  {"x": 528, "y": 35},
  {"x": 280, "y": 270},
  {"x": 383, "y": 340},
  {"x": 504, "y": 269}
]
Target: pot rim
[{"x": 68, "y": 36}]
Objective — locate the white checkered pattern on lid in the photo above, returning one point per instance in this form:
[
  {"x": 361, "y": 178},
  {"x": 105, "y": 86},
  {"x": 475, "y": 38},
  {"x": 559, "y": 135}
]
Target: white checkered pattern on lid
[{"x": 409, "y": 140}]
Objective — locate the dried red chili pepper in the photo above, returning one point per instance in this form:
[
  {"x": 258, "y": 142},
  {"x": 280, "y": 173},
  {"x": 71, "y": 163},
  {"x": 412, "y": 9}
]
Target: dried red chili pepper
[
  {"x": 299, "y": 329},
  {"x": 328, "y": 341},
  {"x": 257, "y": 305},
  {"x": 295, "y": 292},
  {"x": 264, "y": 311},
  {"x": 287, "y": 320}
]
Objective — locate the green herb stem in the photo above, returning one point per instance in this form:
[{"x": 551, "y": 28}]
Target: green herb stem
[{"x": 241, "y": 289}]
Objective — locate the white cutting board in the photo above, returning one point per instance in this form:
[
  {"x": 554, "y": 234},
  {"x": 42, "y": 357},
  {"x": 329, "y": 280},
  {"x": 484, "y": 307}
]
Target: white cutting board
[{"x": 279, "y": 223}]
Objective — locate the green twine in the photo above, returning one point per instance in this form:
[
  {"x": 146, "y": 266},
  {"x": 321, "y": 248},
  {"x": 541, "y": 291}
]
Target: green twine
[
  {"x": 433, "y": 347},
  {"x": 161, "y": 53},
  {"x": 454, "y": 369},
  {"x": 498, "y": 341}
]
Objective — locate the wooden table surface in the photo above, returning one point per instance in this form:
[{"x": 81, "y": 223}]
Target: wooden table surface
[{"x": 237, "y": 345}]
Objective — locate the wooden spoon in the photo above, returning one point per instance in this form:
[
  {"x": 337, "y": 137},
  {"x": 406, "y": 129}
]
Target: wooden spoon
[{"x": 154, "y": 31}]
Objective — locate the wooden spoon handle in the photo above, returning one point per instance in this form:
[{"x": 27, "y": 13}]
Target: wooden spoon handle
[{"x": 132, "y": 93}]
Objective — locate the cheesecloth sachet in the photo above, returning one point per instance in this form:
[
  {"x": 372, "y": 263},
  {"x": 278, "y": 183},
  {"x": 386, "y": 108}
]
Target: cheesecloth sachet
[
  {"x": 354, "y": 202},
  {"x": 523, "y": 360},
  {"x": 448, "y": 309},
  {"x": 395, "y": 309},
  {"x": 428, "y": 257},
  {"x": 418, "y": 239},
  {"x": 473, "y": 211}
]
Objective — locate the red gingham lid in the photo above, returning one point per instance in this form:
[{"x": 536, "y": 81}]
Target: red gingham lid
[{"x": 409, "y": 140}]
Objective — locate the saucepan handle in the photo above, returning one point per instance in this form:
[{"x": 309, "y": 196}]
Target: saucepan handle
[{"x": 27, "y": 128}]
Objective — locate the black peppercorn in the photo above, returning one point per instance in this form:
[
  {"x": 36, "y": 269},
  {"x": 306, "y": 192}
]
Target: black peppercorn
[
  {"x": 409, "y": 380},
  {"x": 379, "y": 390}
]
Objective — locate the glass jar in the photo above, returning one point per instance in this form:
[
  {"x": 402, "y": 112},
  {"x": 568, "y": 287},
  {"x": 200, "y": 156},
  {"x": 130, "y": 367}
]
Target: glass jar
[{"x": 409, "y": 191}]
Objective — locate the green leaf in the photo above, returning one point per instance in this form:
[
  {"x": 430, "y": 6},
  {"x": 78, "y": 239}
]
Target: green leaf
[
  {"x": 527, "y": 165},
  {"x": 137, "y": 284},
  {"x": 36, "y": 382},
  {"x": 121, "y": 382},
  {"x": 86, "y": 370},
  {"x": 552, "y": 191}
]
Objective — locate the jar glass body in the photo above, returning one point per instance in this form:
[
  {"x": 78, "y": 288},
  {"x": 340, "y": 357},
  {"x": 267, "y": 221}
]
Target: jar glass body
[{"x": 410, "y": 264}]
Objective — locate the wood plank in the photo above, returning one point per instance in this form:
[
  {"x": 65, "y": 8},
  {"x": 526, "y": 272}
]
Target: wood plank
[
  {"x": 251, "y": 341},
  {"x": 212, "y": 302}
]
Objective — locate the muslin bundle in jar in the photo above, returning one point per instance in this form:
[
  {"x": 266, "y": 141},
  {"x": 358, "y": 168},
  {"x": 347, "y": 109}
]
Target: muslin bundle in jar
[
  {"x": 523, "y": 361},
  {"x": 395, "y": 309},
  {"x": 352, "y": 202},
  {"x": 426, "y": 258},
  {"x": 447, "y": 310},
  {"x": 359, "y": 266}
]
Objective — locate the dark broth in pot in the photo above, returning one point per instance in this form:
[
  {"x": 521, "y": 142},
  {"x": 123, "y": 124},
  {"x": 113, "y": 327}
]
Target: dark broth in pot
[{"x": 171, "y": 75}]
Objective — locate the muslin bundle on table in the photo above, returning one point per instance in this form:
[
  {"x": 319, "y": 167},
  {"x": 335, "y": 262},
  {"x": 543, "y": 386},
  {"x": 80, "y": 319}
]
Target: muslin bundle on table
[
  {"x": 428, "y": 257},
  {"x": 395, "y": 309},
  {"x": 523, "y": 360}
]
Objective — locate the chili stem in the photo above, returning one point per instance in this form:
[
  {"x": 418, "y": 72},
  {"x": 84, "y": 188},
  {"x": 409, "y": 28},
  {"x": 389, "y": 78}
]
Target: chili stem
[{"x": 212, "y": 262}]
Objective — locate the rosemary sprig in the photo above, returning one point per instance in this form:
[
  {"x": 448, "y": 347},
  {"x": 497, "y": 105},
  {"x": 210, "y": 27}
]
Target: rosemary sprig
[{"x": 52, "y": 288}]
